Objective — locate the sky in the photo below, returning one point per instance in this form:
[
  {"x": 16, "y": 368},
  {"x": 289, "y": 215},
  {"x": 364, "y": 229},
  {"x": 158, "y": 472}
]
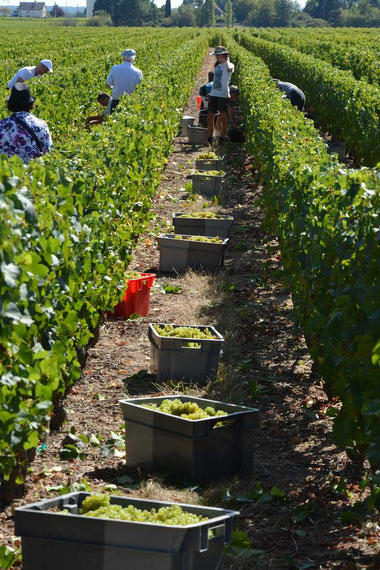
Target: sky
[{"x": 175, "y": 3}]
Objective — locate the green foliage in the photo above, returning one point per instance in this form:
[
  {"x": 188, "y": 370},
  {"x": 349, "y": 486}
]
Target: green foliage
[
  {"x": 9, "y": 557},
  {"x": 229, "y": 13},
  {"x": 171, "y": 289},
  {"x": 69, "y": 222},
  {"x": 240, "y": 546},
  {"x": 326, "y": 218},
  {"x": 344, "y": 107},
  {"x": 342, "y": 49}
]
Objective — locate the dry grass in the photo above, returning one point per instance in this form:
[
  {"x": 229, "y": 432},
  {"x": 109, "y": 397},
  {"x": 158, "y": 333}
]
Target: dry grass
[
  {"x": 157, "y": 490},
  {"x": 195, "y": 285}
]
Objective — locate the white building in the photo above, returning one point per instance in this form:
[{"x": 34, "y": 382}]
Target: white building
[
  {"x": 32, "y": 10},
  {"x": 90, "y": 8}
]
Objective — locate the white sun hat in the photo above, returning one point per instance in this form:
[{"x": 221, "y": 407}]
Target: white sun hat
[{"x": 47, "y": 63}]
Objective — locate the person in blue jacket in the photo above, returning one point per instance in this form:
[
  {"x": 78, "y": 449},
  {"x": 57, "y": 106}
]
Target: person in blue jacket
[{"x": 293, "y": 93}]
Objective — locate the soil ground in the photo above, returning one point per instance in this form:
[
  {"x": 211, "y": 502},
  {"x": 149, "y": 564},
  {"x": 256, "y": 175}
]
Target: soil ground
[{"x": 265, "y": 364}]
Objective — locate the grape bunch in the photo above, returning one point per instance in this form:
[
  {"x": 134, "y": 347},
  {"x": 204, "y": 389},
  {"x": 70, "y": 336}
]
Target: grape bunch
[
  {"x": 132, "y": 275},
  {"x": 210, "y": 172},
  {"x": 200, "y": 238},
  {"x": 205, "y": 214},
  {"x": 99, "y": 506},
  {"x": 207, "y": 156},
  {"x": 183, "y": 332},
  {"x": 187, "y": 410}
]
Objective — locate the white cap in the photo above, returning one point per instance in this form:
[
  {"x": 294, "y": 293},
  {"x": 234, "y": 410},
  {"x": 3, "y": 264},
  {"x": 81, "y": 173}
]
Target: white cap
[
  {"x": 47, "y": 63},
  {"x": 129, "y": 54}
]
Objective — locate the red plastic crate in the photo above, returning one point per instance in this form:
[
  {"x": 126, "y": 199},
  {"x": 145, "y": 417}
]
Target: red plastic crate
[{"x": 136, "y": 297}]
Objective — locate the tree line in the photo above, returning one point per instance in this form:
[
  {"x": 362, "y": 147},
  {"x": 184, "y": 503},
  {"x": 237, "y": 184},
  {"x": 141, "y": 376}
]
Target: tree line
[{"x": 258, "y": 13}]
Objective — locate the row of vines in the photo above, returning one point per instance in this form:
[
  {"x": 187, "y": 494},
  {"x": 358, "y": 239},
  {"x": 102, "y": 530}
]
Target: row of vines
[
  {"x": 327, "y": 220},
  {"x": 361, "y": 56},
  {"x": 342, "y": 106},
  {"x": 69, "y": 222}
]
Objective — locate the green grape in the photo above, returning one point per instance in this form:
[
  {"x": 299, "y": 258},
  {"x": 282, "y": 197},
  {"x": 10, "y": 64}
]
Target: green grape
[
  {"x": 94, "y": 502},
  {"x": 205, "y": 214},
  {"x": 132, "y": 275},
  {"x": 172, "y": 515},
  {"x": 187, "y": 410},
  {"x": 200, "y": 238},
  {"x": 183, "y": 332},
  {"x": 207, "y": 156},
  {"x": 210, "y": 172}
]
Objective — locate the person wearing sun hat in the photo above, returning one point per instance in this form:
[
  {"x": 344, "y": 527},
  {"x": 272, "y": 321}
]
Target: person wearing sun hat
[
  {"x": 123, "y": 77},
  {"x": 22, "y": 133},
  {"x": 220, "y": 92},
  {"x": 28, "y": 72}
]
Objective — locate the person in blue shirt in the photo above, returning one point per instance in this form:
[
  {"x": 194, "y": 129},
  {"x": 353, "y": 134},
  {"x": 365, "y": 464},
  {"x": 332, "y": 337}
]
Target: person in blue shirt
[
  {"x": 293, "y": 93},
  {"x": 204, "y": 92}
]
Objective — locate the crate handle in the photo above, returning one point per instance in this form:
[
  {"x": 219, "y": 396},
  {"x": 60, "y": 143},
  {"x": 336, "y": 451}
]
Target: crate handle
[
  {"x": 226, "y": 527},
  {"x": 224, "y": 425},
  {"x": 228, "y": 531},
  {"x": 193, "y": 341}
]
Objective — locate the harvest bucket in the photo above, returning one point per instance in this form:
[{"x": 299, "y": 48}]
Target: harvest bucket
[
  {"x": 197, "y": 135},
  {"x": 136, "y": 297},
  {"x": 186, "y": 121}
]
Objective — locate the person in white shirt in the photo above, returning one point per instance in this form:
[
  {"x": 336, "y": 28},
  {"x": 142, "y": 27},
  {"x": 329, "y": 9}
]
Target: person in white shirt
[
  {"x": 124, "y": 77},
  {"x": 28, "y": 72},
  {"x": 220, "y": 92}
]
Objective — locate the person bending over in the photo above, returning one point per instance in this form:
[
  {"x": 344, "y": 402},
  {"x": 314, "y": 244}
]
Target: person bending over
[
  {"x": 28, "y": 72},
  {"x": 293, "y": 93},
  {"x": 105, "y": 100}
]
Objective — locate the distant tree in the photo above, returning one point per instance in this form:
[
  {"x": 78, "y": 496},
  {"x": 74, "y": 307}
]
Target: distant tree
[
  {"x": 266, "y": 14},
  {"x": 304, "y": 20},
  {"x": 209, "y": 13},
  {"x": 57, "y": 12},
  {"x": 229, "y": 13},
  {"x": 103, "y": 6},
  {"x": 184, "y": 16},
  {"x": 243, "y": 8},
  {"x": 4, "y": 11},
  {"x": 322, "y": 8},
  {"x": 134, "y": 12},
  {"x": 285, "y": 10},
  {"x": 168, "y": 9}
]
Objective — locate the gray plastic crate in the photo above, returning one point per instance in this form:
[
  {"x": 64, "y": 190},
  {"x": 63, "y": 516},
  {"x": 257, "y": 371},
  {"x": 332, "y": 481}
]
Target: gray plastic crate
[
  {"x": 171, "y": 359},
  {"x": 176, "y": 255},
  {"x": 210, "y": 164},
  {"x": 186, "y": 121},
  {"x": 202, "y": 226},
  {"x": 194, "y": 450},
  {"x": 197, "y": 135},
  {"x": 207, "y": 185},
  {"x": 51, "y": 540},
  {"x": 338, "y": 147}
]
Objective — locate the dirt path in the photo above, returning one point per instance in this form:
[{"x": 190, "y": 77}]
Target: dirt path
[{"x": 292, "y": 501}]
